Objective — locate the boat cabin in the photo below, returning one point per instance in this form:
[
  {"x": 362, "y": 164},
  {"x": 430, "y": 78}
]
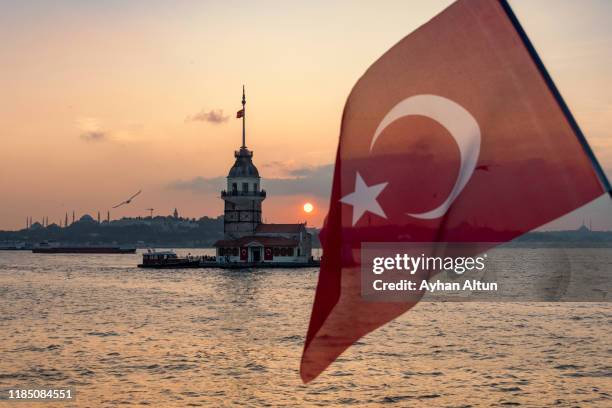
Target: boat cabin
[{"x": 159, "y": 258}]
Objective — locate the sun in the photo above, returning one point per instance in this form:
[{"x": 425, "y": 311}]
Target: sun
[{"x": 308, "y": 207}]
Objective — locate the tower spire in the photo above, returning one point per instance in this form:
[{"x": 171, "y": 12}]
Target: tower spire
[{"x": 243, "y": 119}]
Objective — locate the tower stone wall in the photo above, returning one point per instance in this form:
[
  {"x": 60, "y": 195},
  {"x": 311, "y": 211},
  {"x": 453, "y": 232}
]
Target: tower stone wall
[{"x": 243, "y": 197}]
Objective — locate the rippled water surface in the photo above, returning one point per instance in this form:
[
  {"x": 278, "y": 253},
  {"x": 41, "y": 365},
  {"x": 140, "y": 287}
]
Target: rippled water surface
[{"x": 124, "y": 336}]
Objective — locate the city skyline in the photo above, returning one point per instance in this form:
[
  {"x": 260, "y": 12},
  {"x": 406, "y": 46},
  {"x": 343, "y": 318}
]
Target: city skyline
[{"x": 107, "y": 99}]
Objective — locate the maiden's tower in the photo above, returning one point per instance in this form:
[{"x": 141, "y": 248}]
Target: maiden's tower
[{"x": 248, "y": 241}]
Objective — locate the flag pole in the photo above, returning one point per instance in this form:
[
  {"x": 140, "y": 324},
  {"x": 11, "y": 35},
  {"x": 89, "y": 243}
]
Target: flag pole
[
  {"x": 243, "y": 119},
  {"x": 557, "y": 95}
]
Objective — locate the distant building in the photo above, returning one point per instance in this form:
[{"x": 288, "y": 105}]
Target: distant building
[
  {"x": 87, "y": 219},
  {"x": 246, "y": 238},
  {"x": 175, "y": 214}
]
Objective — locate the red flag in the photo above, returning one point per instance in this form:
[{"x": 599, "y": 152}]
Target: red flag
[
  {"x": 455, "y": 134},
  {"x": 240, "y": 114},
  {"x": 244, "y": 254}
]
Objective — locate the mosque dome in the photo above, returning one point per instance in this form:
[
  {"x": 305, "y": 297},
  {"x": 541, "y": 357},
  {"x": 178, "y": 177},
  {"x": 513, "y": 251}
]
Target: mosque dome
[
  {"x": 243, "y": 166},
  {"x": 87, "y": 218}
]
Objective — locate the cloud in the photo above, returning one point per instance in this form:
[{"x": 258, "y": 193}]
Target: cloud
[
  {"x": 90, "y": 130},
  {"x": 199, "y": 185},
  {"x": 312, "y": 180},
  {"x": 93, "y": 136},
  {"x": 279, "y": 169},
  {"x": 215, "y": 116}
]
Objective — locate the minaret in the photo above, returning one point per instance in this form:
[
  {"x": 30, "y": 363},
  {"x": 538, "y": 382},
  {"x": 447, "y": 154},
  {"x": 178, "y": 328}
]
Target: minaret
[{"x": 244, "y": 195}]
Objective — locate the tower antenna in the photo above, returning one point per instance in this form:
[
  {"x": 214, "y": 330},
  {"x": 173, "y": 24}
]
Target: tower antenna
[{"x": 243, "y": 119}]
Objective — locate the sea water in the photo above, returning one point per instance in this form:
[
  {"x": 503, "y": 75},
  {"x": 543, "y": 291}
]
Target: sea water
[{"x": 123, "y": 336}]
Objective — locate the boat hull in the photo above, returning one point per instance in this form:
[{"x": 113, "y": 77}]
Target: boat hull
[
  {"x": 84, "y": 250},
  {"x": 231, "y": 265},
  {"x": 172, "y": 265}
]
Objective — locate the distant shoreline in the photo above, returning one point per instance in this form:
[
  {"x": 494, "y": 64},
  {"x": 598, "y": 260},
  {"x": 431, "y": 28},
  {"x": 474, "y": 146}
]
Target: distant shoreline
[{"x": 177, "y": 232}]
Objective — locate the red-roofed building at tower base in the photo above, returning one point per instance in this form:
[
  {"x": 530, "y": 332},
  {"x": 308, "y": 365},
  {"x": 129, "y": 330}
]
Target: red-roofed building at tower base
[{"x": 247, "y": 241}]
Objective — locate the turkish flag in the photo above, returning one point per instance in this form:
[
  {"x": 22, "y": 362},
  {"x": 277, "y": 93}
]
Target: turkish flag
[
  {"x": 244, "y": 254},
  {"x": 456, "y": 134},
  {"x": 240, "y": 114}
]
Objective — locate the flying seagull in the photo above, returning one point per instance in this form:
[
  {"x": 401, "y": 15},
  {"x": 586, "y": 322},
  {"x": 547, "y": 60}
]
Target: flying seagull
[{"x": 129, "y": 200}]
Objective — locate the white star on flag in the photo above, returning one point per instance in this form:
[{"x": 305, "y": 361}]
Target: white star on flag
[{"x": 364, "y": 199}]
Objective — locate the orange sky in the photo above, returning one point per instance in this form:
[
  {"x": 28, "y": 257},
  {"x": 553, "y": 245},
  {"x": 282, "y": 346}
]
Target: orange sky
[{"x": 100, "y": 100}]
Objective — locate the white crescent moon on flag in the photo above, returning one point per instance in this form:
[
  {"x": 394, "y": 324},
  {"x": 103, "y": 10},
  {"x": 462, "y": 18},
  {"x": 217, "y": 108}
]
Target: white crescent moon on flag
[{"x": 460, "y": 124}]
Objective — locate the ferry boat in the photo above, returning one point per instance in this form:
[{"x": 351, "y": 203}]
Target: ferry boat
[
  {"x": 167, "y": 259},
  {"x": 46, "y": 247},
  {"x": 14, "y": 246}
]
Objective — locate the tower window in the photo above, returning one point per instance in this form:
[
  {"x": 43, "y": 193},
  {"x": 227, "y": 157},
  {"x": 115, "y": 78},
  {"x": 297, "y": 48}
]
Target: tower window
[
  {"x": 234, "y": 187},
  {"x": 254, "y": 186},
  {"x": 245, "y": 187}
]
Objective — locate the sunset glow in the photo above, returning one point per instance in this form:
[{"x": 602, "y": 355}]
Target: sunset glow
[{"x": 125, "y": 103}]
